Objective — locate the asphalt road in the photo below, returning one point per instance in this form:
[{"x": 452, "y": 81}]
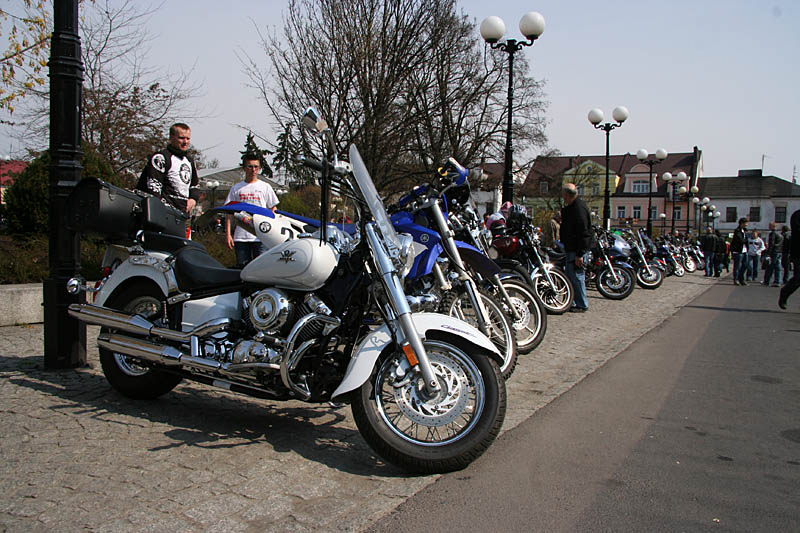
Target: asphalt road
[{"x": 695, "y": 427}]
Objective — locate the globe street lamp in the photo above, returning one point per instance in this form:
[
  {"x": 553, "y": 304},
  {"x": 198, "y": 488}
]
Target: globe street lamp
[
  {"x": 643, "y": 156},
  {"x": 703, "y": 208},
  {"x": 213, "y": 184},
  {"x": 674, "y": 180},
  {"x": 691, "y": 199},
  {"x": 663, "y": 217},
  {"x": 714, "y": 217},
  {"x": 620, "y": 114},
  {"x": 492, "y": 30}
]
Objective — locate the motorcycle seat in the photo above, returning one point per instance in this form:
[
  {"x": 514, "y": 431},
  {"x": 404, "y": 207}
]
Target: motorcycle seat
[
  {"x": 556, "y": 256},
  {"x": 195, "y": 269},
  {"x": 163, "y": 242}
]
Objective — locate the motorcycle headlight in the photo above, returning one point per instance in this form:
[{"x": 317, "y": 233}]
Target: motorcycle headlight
[
  {"x": 493, "y": 253},
  {"x": 407, "y": 253}
]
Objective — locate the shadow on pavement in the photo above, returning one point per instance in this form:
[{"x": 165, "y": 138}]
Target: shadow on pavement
[
  {"x": 197, "y": 416},
  {"x": 740, "y": 309}
]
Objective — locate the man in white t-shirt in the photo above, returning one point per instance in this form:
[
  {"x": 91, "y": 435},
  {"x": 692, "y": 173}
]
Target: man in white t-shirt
[{"x": 252, "y": 191}]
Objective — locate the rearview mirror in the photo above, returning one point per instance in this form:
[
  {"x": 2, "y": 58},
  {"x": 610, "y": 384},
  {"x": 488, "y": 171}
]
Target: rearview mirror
[{"x": 314, "y": 121}]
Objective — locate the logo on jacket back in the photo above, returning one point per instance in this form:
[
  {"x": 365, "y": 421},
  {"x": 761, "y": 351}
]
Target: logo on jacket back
[{"x": 185, "y": 173}]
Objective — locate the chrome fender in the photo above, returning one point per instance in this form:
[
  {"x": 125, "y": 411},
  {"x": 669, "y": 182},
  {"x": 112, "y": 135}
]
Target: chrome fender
[
  {"x": 366, "y": 353},
  {"x": 150, "y": 266}
]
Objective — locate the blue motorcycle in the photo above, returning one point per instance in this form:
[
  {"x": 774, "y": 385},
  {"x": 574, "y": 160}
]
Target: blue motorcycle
[{"x": 455, "y": 278}]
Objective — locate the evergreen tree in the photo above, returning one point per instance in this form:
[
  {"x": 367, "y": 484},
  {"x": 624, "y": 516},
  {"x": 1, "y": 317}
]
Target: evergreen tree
[{"x": 252, "y": 149}]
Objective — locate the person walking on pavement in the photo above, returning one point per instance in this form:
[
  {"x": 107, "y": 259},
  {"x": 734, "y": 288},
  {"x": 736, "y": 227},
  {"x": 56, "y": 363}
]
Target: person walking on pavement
[
  {"x": 772, "y": 256},
  {"x": 708, "y": 243},
  {"x": 755, "y": 247},
  {"x": 739, "y": 252},
  {"x": 576, "y": 234},
  {"x": 252, "y": 191},
  {"x": 794, "y": 254},
  {"x": 787, "y": 244}
]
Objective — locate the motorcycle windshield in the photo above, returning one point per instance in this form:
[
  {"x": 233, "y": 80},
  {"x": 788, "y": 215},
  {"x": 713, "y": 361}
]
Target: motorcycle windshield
[{"x": 371, "y": 196}]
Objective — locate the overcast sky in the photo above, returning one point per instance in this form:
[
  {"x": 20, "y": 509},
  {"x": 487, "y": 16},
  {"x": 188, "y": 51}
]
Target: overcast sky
[{"x": 718, "y": 74}]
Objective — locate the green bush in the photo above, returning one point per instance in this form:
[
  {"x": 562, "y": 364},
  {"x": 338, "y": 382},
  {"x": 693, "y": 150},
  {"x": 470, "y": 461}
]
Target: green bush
[{"x": 27, "y": 200}]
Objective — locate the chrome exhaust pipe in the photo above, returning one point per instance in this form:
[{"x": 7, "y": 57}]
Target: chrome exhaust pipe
[
  {"x": 154, "y": 353},
  {"x": 103, "y": 316}
]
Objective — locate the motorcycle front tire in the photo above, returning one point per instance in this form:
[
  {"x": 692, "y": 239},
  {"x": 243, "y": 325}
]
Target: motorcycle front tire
[
  {"x": 619, "y": 289},
  {"x": 651, "y": 280},
  {"x": 558, "y": 301},
  {"x": 456, "y": 303},
  {"x": 432, "y": 435},
  {"x": 531, "y": 327}
]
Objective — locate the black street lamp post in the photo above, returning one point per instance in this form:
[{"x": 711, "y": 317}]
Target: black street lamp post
[
  {"x": 492, "y": 30},
  {"x": 691, "y": 199},
  {"x": 64, "y": 336},
  {"x": 674, "y": 181},
  {"x": 620, "y": 114},
  {"x": 643, "y": 156},
  {"x": 703, "y": 207}
]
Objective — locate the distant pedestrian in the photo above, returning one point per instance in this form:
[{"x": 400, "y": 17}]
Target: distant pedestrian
[
  {"x": 576, "y": 234},
  {"x": 771, "y": 258},
  {"x": 755, "y": 247},
  {"x": 787, "y": 244},
  {"x": 794, "y": 255},
  {"x": 708, "y": 243},
  {"x": 739, "y": 252},
  {"x": 553, "y": 231}
]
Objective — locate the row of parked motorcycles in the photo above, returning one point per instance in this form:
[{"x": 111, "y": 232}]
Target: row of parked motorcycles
[{"x": 414, "y": 315}]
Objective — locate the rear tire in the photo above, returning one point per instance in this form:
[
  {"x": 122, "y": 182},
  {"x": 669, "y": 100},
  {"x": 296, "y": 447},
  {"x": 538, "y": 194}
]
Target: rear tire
[{"x": 126, "y": 375}]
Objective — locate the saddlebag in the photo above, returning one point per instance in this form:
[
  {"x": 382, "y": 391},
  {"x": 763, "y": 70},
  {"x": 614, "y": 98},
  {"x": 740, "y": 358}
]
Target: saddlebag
[{"x": 95, "y": 206}]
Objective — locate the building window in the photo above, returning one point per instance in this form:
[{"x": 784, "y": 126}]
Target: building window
[
  {"x": 544, "y": 187},
  {"x": 581, "y": 189},
  {"x": 730, "y": 214},
  {"x": 755, "y": 214},
  {"x": 640, "y": 186},
  {"x": 780, "y": 214},
  {"x": 620, "y": 211},
  {"x": 676, "y": 212},
  {"x": 637, "y": 211},
  {"x": 595, "y": 189}
]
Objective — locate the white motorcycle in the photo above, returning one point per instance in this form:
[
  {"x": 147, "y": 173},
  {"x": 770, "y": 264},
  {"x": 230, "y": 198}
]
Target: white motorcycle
[{"x": 320, "y": 317}]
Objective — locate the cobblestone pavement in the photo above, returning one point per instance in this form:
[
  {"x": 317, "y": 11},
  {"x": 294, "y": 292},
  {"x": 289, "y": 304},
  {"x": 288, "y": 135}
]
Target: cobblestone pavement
[{"x": 77, "y": 455}]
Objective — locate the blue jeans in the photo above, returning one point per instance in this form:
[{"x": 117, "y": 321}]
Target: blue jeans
[
  {"x": 246, "y": 251},
  {"x": 773, "y": 267},
  {"x": 577, "y": 276},
  {"x": 739, "y": 266},
  {"x": 752, "y": 266},
  {"x": 710, "y": 260}
]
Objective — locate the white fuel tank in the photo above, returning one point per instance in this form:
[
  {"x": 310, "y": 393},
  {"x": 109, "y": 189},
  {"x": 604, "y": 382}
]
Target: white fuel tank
[
  {"x": 303, "y": 264},
  {"x": 273, "y": 231}
]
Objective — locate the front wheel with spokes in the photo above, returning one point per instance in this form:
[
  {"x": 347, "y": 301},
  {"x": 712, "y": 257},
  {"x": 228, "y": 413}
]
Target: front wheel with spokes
[
  {"x": 458, "y": 304},
  {"x": 432, "y": 434}
]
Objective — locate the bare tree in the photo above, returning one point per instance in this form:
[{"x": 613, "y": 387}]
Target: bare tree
[
  {"x": 22, "y": 63},
  {"x": 127, "y": 106},
  {"x": 408, "y": 81}
]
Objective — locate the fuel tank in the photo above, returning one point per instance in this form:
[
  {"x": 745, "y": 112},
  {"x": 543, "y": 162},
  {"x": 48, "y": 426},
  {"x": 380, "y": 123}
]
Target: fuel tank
[{"x": 302, "y": 264}]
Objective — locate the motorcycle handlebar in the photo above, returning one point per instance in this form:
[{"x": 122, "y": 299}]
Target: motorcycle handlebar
[{"x": 314, "y": 164}]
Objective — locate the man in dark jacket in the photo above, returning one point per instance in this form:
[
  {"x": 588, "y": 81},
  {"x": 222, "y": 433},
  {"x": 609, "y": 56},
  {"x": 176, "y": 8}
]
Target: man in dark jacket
[
  {"x": 708, "y": 243},
  {"x": 772, "y": 256},
  {"x": 576, "y": 234},
  {"x": 170, "y": 174},
  {"x": 794, "y": 255},
  {"x": 739, "y": 252},
  {"x": 787, "y": 244}
]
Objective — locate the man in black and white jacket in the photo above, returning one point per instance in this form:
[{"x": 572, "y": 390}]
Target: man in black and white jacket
[{"x": 170, "y": 174}]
